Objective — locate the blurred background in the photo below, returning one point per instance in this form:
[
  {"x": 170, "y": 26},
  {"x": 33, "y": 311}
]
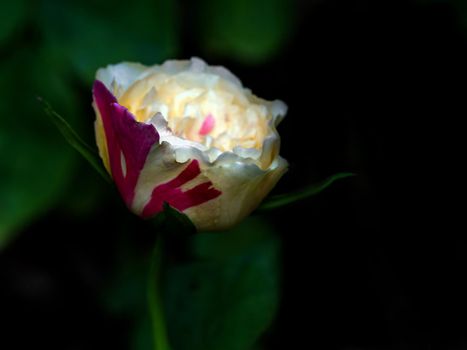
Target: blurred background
[{"x": 373, "y": 87}]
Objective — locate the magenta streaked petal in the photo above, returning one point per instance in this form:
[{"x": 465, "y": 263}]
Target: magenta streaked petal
[
  {"x": 171, "y": 193},
  {"x": 188, "y": 174},
  {"x": 197, "y": 195},
  {"x": 128, "y": 141}
]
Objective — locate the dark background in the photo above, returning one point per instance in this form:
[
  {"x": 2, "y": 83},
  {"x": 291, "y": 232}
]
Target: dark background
[{"x": 373, "y": 87}]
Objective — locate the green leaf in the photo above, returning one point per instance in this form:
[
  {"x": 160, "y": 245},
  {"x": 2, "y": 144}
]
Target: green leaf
[
  {"x": 35, "y": 169},
  {"x": 14, "y": 14},
  {"x": 172, "y": 221},
  {"x": 247, "y": 30},
  {"x": 141, "y": 337},
  {"x": 225, "y": 245},
  {"x": 176, "y": 229},
  {"x": 32, "y": 179},
  {"x": 224, "y": 302},
  {"x": 225, "y": 297},
  {"x": 90, "y": 34},
  {"x": 281, "y": 200},
  {"x": 75, "y": 141}
]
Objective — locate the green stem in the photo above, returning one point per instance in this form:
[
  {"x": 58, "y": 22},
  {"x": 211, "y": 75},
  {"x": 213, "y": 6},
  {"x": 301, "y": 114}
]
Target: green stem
[{"x": 159, "y": 329}]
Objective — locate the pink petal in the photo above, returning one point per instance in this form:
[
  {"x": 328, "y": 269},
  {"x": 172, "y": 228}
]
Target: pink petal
[
  {"x": 128, "y": 141},
  {"x": 208, "y": 125}
]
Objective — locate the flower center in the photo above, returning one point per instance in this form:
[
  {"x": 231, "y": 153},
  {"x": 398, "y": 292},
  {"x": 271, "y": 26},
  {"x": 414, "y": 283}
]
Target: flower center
[{"x": 200, "y": 107}]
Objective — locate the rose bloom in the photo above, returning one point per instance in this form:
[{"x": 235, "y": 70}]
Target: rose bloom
[{"x": 190, "y": 135}]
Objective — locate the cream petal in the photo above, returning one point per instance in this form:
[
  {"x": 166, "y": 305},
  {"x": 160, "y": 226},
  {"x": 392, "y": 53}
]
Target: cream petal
[
  {"x": 278, "y": 110},
  {"x": 243, "y": 185},
  {"x": 196, "y": 65},
  {"x": 118, "y": 77}
]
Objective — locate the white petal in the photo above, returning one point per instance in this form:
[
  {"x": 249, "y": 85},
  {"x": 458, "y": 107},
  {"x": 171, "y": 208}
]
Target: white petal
[
  {"x": 243, "y": 187},
  {"x": 120, "y": 76},
  {"x": 160, "y": 167},
  {"x": 242, "y": 183},
  {"x": 278, "y": 111}
]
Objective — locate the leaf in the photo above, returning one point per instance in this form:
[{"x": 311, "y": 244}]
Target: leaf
[
  {"x": 15, "y": 14},
  {"x": 176, "y": 222},
  {"x": 176, "y": 229},
  {"x": 141, "y": 337},
  {"x": 224, "y": 298},
  {"x": 225, "y": 245},
  {"x": 247, "y": 30},
  {"x": 35, "y": 169},
  {"x": 75, "y": 141},
  {"x": 31, "y": 180},
  {"x": 281, "y": 200},
  {"x": 224, "y": 302},
  {"x": 90, "y": 34}
]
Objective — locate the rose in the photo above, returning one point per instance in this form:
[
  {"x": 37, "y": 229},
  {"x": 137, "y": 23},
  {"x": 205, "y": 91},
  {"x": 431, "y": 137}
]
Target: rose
[{"x": 190, "y": 135}]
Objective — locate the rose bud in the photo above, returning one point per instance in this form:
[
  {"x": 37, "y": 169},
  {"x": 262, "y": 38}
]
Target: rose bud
[{"x": 190, "y": 135}]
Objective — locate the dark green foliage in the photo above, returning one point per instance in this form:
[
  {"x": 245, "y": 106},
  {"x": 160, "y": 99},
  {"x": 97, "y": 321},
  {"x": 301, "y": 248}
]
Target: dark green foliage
[
  {"x": 223, "y": 297},
  {"x": 247, "y": 30},
  {"x": 76, "y": 141},
  {"x": 281, "y": 200},
  {"x": 225, "y": 301}
]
